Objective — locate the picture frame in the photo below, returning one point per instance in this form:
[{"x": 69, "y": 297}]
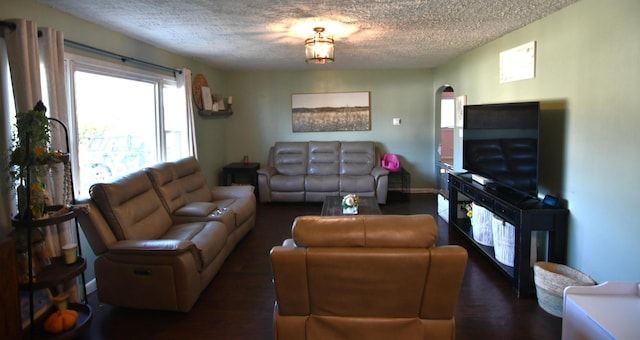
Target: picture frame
[
  {"x": 323, "y": 112},
  {"x": 461, "y": 101},
  {"x": 518, "y": 63},
  {"x": 42, "y": 302}
]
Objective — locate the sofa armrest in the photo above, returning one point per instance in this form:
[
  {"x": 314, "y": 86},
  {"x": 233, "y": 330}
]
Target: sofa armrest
[
  {"x": 264, "y": 182},
  {"x": 233, "y": 191},
  {"x": 267, "y": 171},
  {"x": 150, "y": 274},
  {"x": 152, "y": 247},
  {"x": 95, "y": 227},
  {"x": 155, "y": 251},
  {"x": 379, "y": 171}
]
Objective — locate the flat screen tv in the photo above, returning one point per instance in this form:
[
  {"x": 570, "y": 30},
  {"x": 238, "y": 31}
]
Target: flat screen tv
[{"x": 500, "y": 143}]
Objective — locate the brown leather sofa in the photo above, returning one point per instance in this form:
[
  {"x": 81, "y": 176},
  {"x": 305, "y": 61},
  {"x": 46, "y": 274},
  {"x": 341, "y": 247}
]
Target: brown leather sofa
[
  {"x": 310, "y": 171},
  {"x": 161, "y": 234},
  {"x": 366, "y": 277}
]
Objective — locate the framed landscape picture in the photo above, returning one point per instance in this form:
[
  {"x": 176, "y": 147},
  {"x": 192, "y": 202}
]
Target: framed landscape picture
[{"x": 322, "y": 112}]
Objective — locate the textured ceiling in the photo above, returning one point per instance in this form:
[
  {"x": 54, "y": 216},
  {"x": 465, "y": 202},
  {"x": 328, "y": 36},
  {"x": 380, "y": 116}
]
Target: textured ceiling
[{"x": 269, "y": 34}]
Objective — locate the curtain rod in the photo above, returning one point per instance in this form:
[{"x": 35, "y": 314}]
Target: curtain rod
[
  {"x": 96, "y": 50},
  {"x": 122, "y": 58}
]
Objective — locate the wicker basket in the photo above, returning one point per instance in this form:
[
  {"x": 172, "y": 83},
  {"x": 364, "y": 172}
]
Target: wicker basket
[
  {"x": 481, "y": 225},
  {"x": 504, "y": 239},
  {"x": 551, "y": 279}
]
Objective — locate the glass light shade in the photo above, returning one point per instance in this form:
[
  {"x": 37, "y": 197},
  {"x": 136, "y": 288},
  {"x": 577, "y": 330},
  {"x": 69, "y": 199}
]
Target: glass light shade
[{"x": 319, "y": 49}]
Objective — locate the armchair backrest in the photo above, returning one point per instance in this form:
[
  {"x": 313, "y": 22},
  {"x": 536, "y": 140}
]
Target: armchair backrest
[{"x": 366, "y": 277}]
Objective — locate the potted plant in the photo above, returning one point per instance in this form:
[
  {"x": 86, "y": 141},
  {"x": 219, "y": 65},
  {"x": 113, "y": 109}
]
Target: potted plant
[{"x": 30, "y": 160}]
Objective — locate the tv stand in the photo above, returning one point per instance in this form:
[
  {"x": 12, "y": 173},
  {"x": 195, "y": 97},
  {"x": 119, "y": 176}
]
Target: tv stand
[{"x": 524, "y": 217}]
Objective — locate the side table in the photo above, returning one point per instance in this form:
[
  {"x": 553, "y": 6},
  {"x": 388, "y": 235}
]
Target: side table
[
  {"x": 400, "y": 180},
  {"x": 241, "y": 173}
]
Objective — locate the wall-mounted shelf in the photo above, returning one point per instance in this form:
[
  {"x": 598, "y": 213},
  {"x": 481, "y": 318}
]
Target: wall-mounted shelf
[
  {"x": 209, "y": 113},
  {"x": 219, "y": 102}
]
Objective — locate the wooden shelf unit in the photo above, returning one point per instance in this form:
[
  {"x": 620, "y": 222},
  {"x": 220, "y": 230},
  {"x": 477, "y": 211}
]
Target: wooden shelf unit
[{"x": 526, "y": 215}]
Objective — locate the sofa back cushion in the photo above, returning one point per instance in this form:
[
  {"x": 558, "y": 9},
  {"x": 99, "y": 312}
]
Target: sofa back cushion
[
  {"x": 189, "y": 177},
  {"x": 324, "y": 158},
  {"x": 132, "y": 207},
  {"x": 357, "y": 158},
  {"x": 163, "y": 178},
  {"x": 290, "y": 158}
]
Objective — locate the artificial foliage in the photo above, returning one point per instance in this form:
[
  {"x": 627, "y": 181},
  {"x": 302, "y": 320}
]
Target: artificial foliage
[{"x": 30, "y": 144}]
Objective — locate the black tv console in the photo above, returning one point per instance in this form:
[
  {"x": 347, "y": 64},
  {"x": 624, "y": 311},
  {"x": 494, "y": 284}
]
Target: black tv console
[{"x": 525, "y": 216}]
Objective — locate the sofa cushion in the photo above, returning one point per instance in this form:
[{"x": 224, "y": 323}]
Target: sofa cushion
[
  {"x": 162, "y": 176},
  {"x": 357, "y": 158},
  {"x": 290, "y": 158},
  {"x": 328, "y": 183},
  {"x": 208, "y": 237},
  {"x": 324, "y": 158},
  {"x": 196, "y": 209},
  {"x": 241, "y": 208},
  {"x": 357, "y": 184},
  {"x": 293, "y": 183},
  {"x": 132, "y": 207},
  {"x": 189, "y": 176}
]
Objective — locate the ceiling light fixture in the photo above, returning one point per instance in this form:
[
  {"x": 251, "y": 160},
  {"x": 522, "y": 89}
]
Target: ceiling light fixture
[{"x": 319, "y": 49}]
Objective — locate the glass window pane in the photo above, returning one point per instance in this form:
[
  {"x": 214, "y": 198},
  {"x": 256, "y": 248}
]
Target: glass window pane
[
  {"x": 116, "y": 120},
  {"x": 175, "y": 123}
]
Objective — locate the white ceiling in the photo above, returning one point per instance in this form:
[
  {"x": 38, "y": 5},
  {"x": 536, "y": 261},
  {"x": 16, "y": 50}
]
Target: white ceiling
[{"x": 269, "y": 34}]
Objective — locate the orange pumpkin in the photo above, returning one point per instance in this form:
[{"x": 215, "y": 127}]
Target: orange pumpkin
[{"x": 61, "y": 321}]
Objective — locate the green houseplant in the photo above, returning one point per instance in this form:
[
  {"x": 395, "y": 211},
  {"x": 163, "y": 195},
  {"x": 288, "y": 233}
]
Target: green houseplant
[{"x": 30, "y": 159}]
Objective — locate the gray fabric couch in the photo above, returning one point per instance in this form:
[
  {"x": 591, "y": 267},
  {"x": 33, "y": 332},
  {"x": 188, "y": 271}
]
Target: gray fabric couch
[{"x": 309, "y": 171}]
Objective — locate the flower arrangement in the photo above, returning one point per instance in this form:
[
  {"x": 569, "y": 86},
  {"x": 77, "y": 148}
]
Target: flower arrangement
[{"x": 350, "y": 203}]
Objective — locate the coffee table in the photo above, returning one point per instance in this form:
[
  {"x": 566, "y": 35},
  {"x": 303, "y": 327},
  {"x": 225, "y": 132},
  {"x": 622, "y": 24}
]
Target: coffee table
[{"x": 332, "y": 206}]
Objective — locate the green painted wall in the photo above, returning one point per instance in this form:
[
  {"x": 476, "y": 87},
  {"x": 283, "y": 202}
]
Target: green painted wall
[
  {"x": 262, "y": 113},
  {"x": 587, "y": 76}
]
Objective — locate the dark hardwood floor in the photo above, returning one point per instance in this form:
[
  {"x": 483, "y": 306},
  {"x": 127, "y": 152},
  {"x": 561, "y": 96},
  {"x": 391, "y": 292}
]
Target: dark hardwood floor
[{"x": 238, "y": 304}]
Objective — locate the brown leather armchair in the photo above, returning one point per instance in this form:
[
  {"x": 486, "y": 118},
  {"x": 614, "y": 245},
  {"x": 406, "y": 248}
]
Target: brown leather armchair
[{"x": 366, "y": 277}]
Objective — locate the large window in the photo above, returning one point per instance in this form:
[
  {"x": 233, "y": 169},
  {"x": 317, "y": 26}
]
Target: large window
[{"x": 124, "y": 120}]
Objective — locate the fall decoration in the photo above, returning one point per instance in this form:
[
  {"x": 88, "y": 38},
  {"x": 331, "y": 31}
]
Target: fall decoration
[
  {"x": 61, "y": 321},
  {"x": 350, "y": 203}
]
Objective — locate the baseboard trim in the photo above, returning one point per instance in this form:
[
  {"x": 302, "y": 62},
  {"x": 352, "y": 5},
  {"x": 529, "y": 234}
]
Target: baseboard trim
[
  {"x": 417, "y": 190},
  {"x": 423, "y": 190},
  {"x": 91, "y": 286}
]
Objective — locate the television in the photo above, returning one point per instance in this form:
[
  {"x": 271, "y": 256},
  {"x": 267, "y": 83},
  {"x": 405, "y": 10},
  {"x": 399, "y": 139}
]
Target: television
[{"x": 500, "y": 143}]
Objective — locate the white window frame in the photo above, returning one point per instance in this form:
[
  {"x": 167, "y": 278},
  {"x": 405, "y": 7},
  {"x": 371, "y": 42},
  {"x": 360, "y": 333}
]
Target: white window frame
[{"x": 75, "y": 62}]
